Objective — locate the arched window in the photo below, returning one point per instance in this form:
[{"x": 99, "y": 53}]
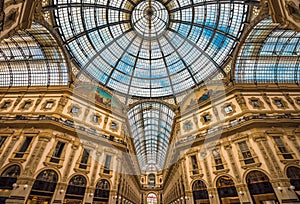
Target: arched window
[
  {"x": 226, "y": 190},
  {"x": 293, "y": 173},
  {"x": 259, "y": 185},
  {"x": 151, "y": 198},
  {"x": 44, "y": 186},
  {"x": 200, "y": 193},
  {"x": 151, "y": 180},
  {"x": 9, "y": 177},
  {"x": 76, "y": 189},
  {"x": 102, "y": 191}
]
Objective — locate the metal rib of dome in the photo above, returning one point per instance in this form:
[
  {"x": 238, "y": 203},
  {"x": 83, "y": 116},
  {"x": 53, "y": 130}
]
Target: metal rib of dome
[{"x": 150, "y": 48}]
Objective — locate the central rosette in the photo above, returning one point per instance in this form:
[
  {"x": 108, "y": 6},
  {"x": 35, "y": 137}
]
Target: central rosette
[{"x": 150, "y": 19}]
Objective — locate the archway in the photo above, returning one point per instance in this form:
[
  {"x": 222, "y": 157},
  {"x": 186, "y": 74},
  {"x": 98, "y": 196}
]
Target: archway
[
  {"x": 101, "y": 194},
  {"x": 227, "y": 191},
  {"x": 8, "y": 177},
  {"x": 151, "y": 198},
  {"x": 43, "y": 187},
  {"x": 200, "y": 193},
  {"x": 260, "y": 188},
  {"x": 293, "y": 173},
  {"x": 76, "y": 190}
]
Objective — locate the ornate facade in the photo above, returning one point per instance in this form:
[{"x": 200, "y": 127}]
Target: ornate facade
[{"x": 149, "y": 102}]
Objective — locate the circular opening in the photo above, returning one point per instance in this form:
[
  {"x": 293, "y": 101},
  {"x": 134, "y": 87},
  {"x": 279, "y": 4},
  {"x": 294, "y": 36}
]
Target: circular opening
[{"x": 150, "y": 19}]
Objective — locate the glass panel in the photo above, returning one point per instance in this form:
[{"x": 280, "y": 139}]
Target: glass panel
[
  {"x": 32, "y": 58},
  {"x": 270, "y": 54},
  {"x": 150, "y": 48},
  {"x": 151, "y": 124}
]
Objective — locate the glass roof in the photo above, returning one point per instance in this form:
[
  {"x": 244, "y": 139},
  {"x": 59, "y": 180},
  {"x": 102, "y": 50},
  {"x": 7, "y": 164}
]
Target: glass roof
[
  {"x": 150, "y": 48},
  {"x": 151, "y": 124},
  {"x": 32, "y": 58},
  {"x": 270, "y": 54}
]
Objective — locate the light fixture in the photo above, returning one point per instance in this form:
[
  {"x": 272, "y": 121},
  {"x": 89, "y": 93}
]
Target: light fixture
[
  {"x": 181, "y": 198},
  {"x": 61, "y": 191},
  {"x": 241, "y": 193},
  {"x": 292, "y": 187},
  {"x": 279, "y": 188},
  {"x": 91, "y": 194},
  {"x": 25, "y": 186},
  {"x": 210, "y": 195},
  {"x": 15, "y": 186},
  {"x": 186, "y": 197}
]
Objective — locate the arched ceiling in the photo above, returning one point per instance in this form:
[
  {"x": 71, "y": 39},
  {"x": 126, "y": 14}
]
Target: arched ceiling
[
  {"x": 270, "y": 54},
  {"x": 151, "y": 125},
  {"x": 32, "y": 58},
  {"x": 150, "y": 48}
]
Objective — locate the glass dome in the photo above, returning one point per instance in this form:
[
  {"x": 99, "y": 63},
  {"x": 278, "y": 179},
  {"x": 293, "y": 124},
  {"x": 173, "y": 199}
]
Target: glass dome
[{"x": 150, "y": 48}]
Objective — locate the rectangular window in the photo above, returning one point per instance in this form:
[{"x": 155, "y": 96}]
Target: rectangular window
[
  {"x": 188, "y": 126},
  {"x": 107, "y": 164},
  {"x": 74, "y": 110},
  {"x": 255, "y": 103},
  {"x": 24, "y": 147},
  {"x": 57, "y": 152},
  {"x": 26, "y": 105},
  {"x": 5, "y": 105},
  {"x": 95, "y": 119},
  {"x": 282, "y": 148},
  {"x": 218, "y": 159},
  {"x": 195, "y": 168},
  {"x": 84, "y": 159},
  {"x": 206, "y": 118},
  {"x": 228, "y": 109},
  {"x": 48, "y": 105},
  {"x": 248, "y": 159},
  {"x": 2, "y": 140},
  {"x": 113, "y": 126},
  {"x": 279, "y": 103}
]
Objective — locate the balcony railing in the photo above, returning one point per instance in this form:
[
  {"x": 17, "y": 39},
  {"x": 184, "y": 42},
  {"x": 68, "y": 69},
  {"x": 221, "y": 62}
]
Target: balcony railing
[
  {"x": 239, "y": 122},
  {"x": 67, "y": 123}
]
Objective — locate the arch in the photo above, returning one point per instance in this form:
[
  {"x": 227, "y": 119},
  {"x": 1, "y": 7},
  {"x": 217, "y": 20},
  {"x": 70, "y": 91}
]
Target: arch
[
  {"x": 260, "y": 187},
  {"x": 226, "y": 190},
  {"x": 270, "y": 54},
  {"x": 32, "y": 57},
  {"x": 76, "y": 189},
  {"x": 47, "y": 168},
  {"x": 152, "y": 198},
  {"x": 44, "y": 186},
  {"x": 102, "y": 191},
  {"x": 293, "y": 173},
  {"x": 200, "y": 193},
  {"x": 9, "y": 176}
]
